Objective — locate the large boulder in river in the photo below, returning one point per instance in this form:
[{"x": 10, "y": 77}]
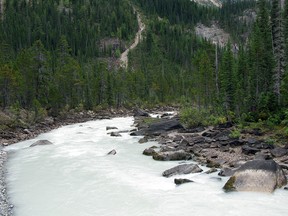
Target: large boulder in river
[
  {"x": 159, "y": 127},
  {"x": 41, "y": 143},
  {"x": 172, "y": 155},
  {"x": 182, "y": 169},
  {"x": 149, "y": 151},
  {"x": 257, "y": 175}
]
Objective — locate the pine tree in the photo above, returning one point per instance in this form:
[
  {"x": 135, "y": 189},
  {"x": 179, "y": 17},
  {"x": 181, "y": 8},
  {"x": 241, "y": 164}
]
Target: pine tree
[
  {"x": 285, "y": 21},
  {"x": 227, "y": 79},
  {"x": 278, "y": 46}
]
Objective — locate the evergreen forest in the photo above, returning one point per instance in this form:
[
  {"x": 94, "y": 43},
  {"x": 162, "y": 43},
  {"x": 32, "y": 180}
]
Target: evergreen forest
[{"x": 64, "y": 54}]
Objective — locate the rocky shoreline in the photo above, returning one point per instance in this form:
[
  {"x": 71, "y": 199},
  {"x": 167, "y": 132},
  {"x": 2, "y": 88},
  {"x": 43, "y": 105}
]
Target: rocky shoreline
[
  {"x": 214, "y": 147},
  {"x": 217, "y": 148},
  {"x": 5, "y": 206}
]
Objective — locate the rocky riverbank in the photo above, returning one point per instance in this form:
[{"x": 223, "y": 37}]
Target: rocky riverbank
[
  {"x": 216, "y": 147},
  {"x": 5, "y": 207}
]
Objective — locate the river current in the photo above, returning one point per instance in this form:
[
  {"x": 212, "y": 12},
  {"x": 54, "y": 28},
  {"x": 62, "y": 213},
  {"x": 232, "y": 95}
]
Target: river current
[{"x": 76, "y": 177}]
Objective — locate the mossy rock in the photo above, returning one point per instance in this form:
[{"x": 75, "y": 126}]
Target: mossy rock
[{"x": 229, "y": 186}]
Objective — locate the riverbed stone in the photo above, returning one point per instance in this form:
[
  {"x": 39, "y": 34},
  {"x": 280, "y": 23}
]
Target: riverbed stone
[
  {"x": 112, "y": 152},
  {"x": 41, "y": 143},
  {"x": 279, "y": 152},
  {"x": 172, "y": 155},
  {"x": 246, "y": 149},
  {"x": 257, "y": 175},
  {"x": 140, "y": 112},
  {"x": 149, "y": 151},
  {"x": 212, "y": 170},
  {"x": 111, "y": 128},
  {"x": 182, "y": 169},
  {"x": 115, "y": 134},
  {"x": 182, "y": 181},
  {"x": 226, "y": 171}
]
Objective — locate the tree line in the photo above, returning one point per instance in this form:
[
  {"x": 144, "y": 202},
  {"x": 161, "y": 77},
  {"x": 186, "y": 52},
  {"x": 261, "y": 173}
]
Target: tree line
[{"x": 50, "y": 57}]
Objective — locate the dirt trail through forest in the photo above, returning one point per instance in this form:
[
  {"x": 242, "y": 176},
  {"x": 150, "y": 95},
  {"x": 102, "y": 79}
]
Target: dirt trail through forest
[{"x": 138, "y": 38}]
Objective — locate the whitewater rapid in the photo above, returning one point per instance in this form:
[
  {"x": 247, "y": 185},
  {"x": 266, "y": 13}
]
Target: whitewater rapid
[{"x": 76, "y": 177}]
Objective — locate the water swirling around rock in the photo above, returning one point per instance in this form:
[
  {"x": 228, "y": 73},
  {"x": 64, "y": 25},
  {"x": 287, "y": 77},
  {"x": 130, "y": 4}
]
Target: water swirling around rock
[{"x": 75, "y": 176}]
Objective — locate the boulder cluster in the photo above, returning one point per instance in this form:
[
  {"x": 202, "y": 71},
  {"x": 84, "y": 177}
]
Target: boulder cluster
[{"x": 252, "y": 163}]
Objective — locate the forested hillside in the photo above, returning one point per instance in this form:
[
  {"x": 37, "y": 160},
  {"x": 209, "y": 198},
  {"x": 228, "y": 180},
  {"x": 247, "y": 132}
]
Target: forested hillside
[{"x": 57, "y": 55}]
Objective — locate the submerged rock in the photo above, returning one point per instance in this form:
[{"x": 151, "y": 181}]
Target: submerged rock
[
  {"x": 112, "y": 152},
  {"x": 182, "y": 169},
  {"x": 115, "y": 134},
  {"x": 212, "y": 170},
  {"x": 257, "y": 175},
  {"x": 143, "y": 140},
  {"x": 41, "y": 143},
  {"x": 172, "y": 155},
  {"x": 111, "y": 128},
  {"x": 182, "y": 181}
]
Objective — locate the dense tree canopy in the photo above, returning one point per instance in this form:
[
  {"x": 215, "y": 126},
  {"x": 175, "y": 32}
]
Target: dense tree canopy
[{"x": 56, "y": 55}]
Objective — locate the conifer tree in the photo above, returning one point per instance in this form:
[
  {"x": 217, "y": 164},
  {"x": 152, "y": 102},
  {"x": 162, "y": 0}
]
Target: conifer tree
[
  {"x": 278, "y": 46},
  {"x": 227, "y": 78}
]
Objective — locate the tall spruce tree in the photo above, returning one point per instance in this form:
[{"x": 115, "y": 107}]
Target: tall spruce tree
[
  {"x": 278, "y": 46},
  {"x": 227, "y": 79},
  {"x": 285, "y": 16}
]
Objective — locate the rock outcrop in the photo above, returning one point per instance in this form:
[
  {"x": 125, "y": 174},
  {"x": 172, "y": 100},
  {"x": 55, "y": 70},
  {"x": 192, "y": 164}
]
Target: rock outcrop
[
  {"x": 159, "y": 127},
  {"x": 257, "y": 175}
]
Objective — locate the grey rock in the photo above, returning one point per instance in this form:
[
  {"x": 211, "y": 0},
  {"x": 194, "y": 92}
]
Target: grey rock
[
  {"x": 112, "y": 152},
  {"x": 41, "y": 143},
  {"x": 172, "y": 155},
  {"x": 182, "y": 169},
  {"x": 257, "y": 175},
  {"x": 140, "y": 112},
  {"x": 226, "y": 171},
  {"x": 27, "y": 131},
  {"x": 143, "y": 140},
  {"x": 149, "y": 151},
  {"x": 115, "y": 134},
  {"x": 159, "y": 127},
  {"x": 249, "y": 150},
  {"x": 111, "y": 128},
  {"x": 223, "y": 138},
  {"x": 212, "y": 170},
  {"x": 182, "y": 181},
  {"x": 279, "y": 152}
]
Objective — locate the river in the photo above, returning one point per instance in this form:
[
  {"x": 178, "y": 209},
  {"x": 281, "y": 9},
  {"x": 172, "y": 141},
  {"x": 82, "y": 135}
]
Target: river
[{"x": 76, "y": 177}]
